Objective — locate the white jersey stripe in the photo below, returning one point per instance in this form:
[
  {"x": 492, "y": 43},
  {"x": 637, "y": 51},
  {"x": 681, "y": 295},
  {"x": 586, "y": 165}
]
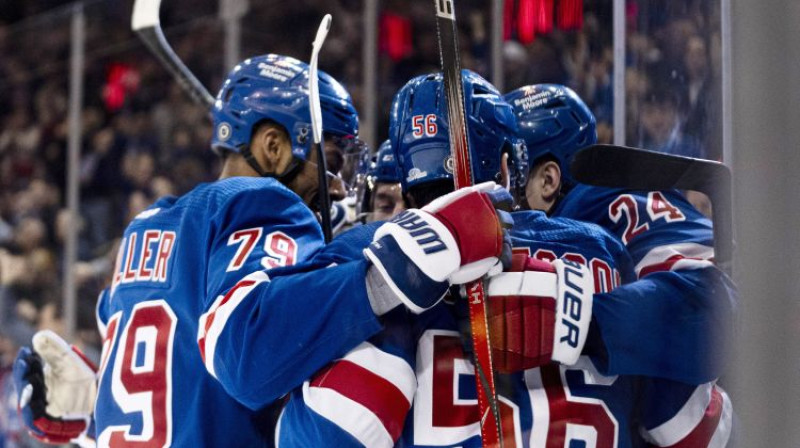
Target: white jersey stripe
[
  {"x": 723, "y": 431},
  {"x": 347, "y": 414},
  {"x": 685, "y": 420},
  {"x": 218, "y": 316},
  {"x": 662, "y": 254},
  {"x": 389, "y": 367}
]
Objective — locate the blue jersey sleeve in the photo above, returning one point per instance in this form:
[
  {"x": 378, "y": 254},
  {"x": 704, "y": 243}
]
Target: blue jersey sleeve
[
  {"x": 668, "y": 324},
  {"x": 361, "y": 399},
  {"x": 271, "y": 322}
]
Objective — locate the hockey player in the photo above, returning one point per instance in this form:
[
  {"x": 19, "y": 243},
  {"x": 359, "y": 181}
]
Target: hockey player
[
  {"x": 413, "y": 384},
  {"x": 345, "y": 163},
  {"x": 680, "y": 311},
  {"x": 214, "y": 311},
  {"x": 670, "y": 243},
  {"x": 382, "y": 197}
]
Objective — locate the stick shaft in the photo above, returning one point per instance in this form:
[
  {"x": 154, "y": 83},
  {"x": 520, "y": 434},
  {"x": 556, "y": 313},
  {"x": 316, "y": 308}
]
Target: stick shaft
[
  {"x": 451, "y": 68},
  {"x": 154, "y": 39}
]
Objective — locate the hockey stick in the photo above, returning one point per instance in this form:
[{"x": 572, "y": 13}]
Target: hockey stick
[
  {"x": 639, "y": 169},
  {"x": 447, "y": 33},
  {"x": 146, "y": 24},
  {"x": 316, "y": 127}
]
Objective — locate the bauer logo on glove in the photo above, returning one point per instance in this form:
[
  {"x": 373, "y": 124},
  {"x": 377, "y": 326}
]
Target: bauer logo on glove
[
  {"x": 574, "y": 310},
  {"x": 539, "y": 315}
]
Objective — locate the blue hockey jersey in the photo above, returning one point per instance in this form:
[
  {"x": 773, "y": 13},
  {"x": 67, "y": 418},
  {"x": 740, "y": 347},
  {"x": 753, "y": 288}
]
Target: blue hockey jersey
[
  {"x": 671, "y": 246},
  {"x": 413, "y": 384},
  {"x": 214, "y": 313}
]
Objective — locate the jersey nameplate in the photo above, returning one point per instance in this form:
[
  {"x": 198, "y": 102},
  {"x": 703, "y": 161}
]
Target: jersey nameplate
[{"x": 144, "y": 256}]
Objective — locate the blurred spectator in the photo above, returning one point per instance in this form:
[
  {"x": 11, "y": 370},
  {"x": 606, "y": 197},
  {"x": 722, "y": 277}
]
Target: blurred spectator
[
  {"x": 702, "y": 99},
  {"x": 661, "y": 126}
]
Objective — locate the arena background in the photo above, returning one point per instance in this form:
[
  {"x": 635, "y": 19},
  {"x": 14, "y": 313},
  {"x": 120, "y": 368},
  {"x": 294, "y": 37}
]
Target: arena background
[{"x": 717, "y": 78}]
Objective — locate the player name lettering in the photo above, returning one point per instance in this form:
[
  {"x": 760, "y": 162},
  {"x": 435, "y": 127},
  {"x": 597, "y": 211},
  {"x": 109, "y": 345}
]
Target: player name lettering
[
  {"x": 421, "y": 231},
  {"x": 572, "y": 302},
  {"x": 144, "y": 257}
]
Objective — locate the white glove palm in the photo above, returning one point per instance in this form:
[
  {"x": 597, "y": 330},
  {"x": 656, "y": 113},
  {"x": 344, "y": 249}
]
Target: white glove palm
[{"x": 70, "y": 379}]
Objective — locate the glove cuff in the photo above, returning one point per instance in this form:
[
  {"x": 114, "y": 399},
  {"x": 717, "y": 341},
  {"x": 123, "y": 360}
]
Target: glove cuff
[
  {"x": 573, "y": 310},
  {"x": 425, "y": 240},
  {"x": 394, "y": 279}
]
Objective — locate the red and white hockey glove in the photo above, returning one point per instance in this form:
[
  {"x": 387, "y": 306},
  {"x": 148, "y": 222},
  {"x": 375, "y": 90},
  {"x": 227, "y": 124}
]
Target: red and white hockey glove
[
  {"x": 56, "y": 388},
  {"x": 539, "y": 315},
  {"x": 455, "y": 239}
]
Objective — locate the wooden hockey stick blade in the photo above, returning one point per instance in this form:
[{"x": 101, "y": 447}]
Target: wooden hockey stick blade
[
  {"x": 315, "y": 109},
  {"x": 447, "y": 34},
  {"x": 314, "y": 104},
  {"x": 639, "y": 169},
  {"x": 146, "y": 24}
]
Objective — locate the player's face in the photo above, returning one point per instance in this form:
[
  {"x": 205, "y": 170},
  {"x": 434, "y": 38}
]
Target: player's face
[
  {"x": 306, "y": 184},
  {"x": 342, "y": 155},
  {"x": 387, "y": 201}
]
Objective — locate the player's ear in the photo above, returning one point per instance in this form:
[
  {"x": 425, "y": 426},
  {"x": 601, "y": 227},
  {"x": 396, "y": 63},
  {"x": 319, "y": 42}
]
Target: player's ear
[
  {"x": 270, "y": 146},
  {"x": 551, "y": 180},
  {"x": 505, "y": 178},
  {"x": 544, "y": 183}
]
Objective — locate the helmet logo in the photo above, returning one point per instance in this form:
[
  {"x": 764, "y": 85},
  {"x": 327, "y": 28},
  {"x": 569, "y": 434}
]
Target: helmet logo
[
  {"x": 223, "y": 132},
  {"x": 302, "y": 135},
  {"x": 415, "y": 174},
  {"x": 274, "y": 72},
  {"x": 449, "y": 164},
  {"x": 529, "y": 102}
]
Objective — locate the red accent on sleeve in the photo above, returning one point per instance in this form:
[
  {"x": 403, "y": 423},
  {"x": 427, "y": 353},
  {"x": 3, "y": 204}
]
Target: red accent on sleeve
[
  {"x": 701, "y": 435},
  {"x": 374, "y": 392}
]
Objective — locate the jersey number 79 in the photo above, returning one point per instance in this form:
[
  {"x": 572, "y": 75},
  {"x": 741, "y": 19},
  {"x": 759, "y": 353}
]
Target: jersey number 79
[{"x": 141, "y": 376}]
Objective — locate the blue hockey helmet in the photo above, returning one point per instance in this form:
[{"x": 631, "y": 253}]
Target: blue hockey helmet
[
  {"x": 418, "y": 131},
  {"x": 384, "y": 168},
  {"x": 554, "y": 121},
  {"x": 274, "y": 87}
]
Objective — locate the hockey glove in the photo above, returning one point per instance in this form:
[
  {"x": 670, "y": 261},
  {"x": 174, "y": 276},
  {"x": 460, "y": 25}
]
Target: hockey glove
[
  {"x": 455, "y": 239},
  {"x": 56, "y": 387},
  {"x": 539, "y": 315}
]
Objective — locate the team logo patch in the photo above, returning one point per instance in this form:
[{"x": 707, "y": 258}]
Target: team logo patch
[
  {"x": 449, "y": 165},
  {"x": 302, "y": 135},
  {"x": 223, "y": 131}
]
